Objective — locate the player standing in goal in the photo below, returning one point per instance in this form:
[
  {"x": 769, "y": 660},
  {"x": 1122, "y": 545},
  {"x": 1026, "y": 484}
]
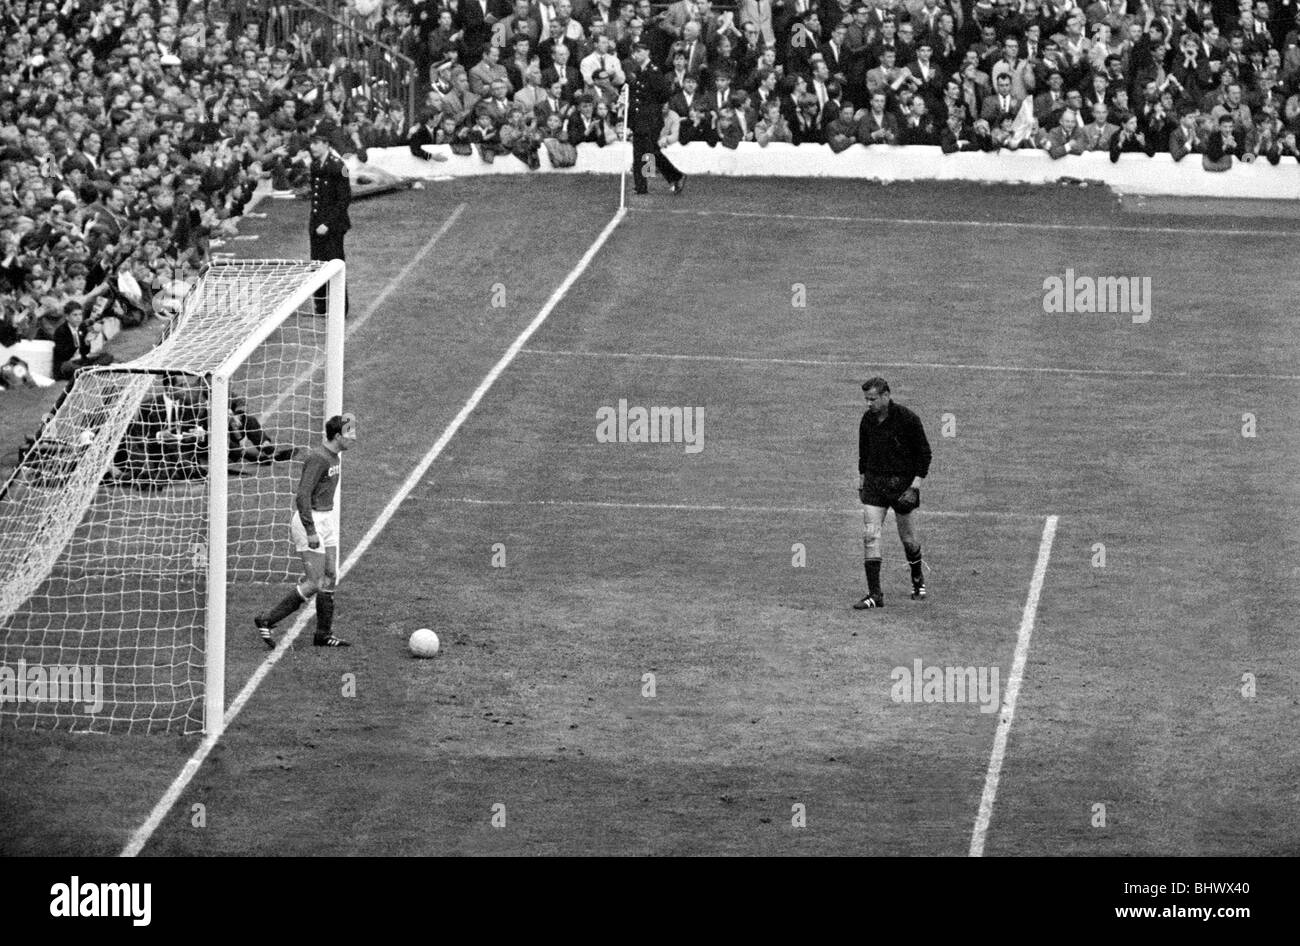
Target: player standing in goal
[
  {"x": 893, "y": 459},
  {"x": 314, "y": 529}
]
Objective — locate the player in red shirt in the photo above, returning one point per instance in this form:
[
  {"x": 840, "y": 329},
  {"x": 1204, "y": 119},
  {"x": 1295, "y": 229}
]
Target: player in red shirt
[{"x": 314, "y": 530}]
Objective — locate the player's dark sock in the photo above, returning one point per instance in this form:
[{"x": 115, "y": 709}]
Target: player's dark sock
[
  {"x": 914, "y": 561},
  {"x": 287, "y": 605},
  {"x": 324, "y": 613},
  {"x": 872, "y": 566}
]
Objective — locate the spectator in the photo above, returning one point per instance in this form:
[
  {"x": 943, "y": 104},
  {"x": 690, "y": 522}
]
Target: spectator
[
  {"x": 841, "y": 132},
  {"x": 425, "y": 133},
  {"x": 1002, "y": 103},
  {"x": 1272, "y": 140},
  {"x": 497, "y": 103},
  {"x": 918, "y": 126},
  {"x": 1100, "y": 131},
  {"x": 879, "y": 126},
  {"x": 1129, "y": 140},
  {"x": 1159, "y": 124},
  {"x": 1067, "y": 137},
  {"x": 697, "y": 126},
  {"x": 772, "y": 126},
  {"x": 73, "y": 344},
  {"x": 1049, "y": 105},
  {"x": 806, "y": 127},
  {"x": 688, "y": 95},
  {"x": 562, "y": 70},
  {"x": 672, "y": 123},
  {"x": 957, "y": 135},
  {"x": 1225, "y": 143},
  {"x": 248, "y": 440},
  {"x": 583, "y": 126},
  {"x": 488, "y": 71},
  {"x": 1187, "y": 137},
  {"x": 601, "y": 69},
  {"x": 1233, "y": 106},
  {"x": 532, "y": 95},
  {"x": 167, "y": 441}
]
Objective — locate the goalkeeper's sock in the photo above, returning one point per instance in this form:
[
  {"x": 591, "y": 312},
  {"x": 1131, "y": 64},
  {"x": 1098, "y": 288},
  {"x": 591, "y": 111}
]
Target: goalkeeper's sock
[
  {"x": 287, "y": 605},
  {"x": 872, "y": 566},
  {"x": 324, "y": 613},
  {"x": 914, "y": 560}
]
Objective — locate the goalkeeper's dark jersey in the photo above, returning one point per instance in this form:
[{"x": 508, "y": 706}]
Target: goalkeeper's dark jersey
[
  {"x": 320, "y": 481},
  {"x": 896, "y": 446}
]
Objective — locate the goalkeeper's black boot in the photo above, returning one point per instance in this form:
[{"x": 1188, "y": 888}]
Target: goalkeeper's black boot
[
  {"x": 265, "y": 630},
  {"x": 916, "y": 564},
  {"x": 873, "y": 598},
  {"x": 330, "y": 641}
]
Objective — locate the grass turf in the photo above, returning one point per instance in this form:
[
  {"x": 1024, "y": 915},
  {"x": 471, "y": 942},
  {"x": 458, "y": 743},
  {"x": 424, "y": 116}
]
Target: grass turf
[{"x": 770, "y": 691}]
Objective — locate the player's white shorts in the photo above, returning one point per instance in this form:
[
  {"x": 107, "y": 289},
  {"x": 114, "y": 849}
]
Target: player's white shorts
[{"x": 327, "y": 530}]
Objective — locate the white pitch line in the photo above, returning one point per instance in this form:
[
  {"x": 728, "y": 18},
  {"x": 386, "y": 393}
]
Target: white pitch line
[
  {"x": 687, "y": 507},
  {"x": 355, "y": 325},
  {"x": 919, "y": 365},
  {"x": 165, "y": 804},
  {"x": 1013, "y": 691},
  {"x": 1001, "y": 224}
]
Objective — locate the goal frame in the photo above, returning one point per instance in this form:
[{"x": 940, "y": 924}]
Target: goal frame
[{"x": 332, "y": 276}]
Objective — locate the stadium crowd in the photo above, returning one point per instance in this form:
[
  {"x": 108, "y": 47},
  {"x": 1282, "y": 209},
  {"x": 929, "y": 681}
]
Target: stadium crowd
[
  {"x": 133, "y": 133},
  {"x": 1216, "y": 78}
]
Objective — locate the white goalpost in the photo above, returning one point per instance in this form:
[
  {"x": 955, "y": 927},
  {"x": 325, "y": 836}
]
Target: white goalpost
[{"x": 156, "y": 489}]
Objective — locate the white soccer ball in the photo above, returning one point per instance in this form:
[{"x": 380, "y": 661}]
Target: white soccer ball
[{"x": 424, "y": 643}]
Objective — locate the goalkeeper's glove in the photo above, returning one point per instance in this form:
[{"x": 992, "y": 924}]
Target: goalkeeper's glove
[{"x": 908, "y": 500}]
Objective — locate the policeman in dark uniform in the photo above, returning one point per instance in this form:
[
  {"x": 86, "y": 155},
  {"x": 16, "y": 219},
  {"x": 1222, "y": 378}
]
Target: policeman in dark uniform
[
  {"x": 647, "y": 91},
  {"x": 331, "y": 192}
]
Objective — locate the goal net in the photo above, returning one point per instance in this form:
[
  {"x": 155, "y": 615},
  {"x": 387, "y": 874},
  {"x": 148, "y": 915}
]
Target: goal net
[{"x": 155, "y": 487}]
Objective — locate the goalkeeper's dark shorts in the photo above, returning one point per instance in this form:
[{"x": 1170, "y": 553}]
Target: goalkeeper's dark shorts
[{"x": 883, "y": 489}]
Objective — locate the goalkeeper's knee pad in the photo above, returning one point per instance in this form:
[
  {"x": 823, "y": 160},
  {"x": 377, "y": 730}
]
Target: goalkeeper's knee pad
[{"x": 871, "y": 544}]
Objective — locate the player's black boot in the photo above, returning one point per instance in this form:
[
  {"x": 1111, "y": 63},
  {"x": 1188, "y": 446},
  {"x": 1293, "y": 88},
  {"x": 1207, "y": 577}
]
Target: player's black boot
[
  {"x": 873, "y": 598},
  {"x": 325, "y": 622},
  {"x": 914, "y": 562}
]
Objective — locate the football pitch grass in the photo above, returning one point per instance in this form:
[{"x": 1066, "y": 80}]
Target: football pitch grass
[{"x": 570, "y": 579}]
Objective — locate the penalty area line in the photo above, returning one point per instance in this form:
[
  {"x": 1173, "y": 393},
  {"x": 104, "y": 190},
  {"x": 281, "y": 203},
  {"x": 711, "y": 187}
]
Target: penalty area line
[
  {"x": 1008, "y": 713},
  {"x": 743, "y": 360},
  {"x": 985, "y": 224},
  {"x": 140, "y": 837},
  {"x": 721, "y": 508}
]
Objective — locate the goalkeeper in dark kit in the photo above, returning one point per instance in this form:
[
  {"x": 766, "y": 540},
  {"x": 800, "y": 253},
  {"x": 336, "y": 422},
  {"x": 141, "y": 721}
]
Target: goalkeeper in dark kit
[{"x": 893, "y": 459}]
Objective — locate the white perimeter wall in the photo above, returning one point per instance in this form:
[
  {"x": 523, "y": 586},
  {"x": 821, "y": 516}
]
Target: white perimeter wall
[{"x": 1132, "y": 174}]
